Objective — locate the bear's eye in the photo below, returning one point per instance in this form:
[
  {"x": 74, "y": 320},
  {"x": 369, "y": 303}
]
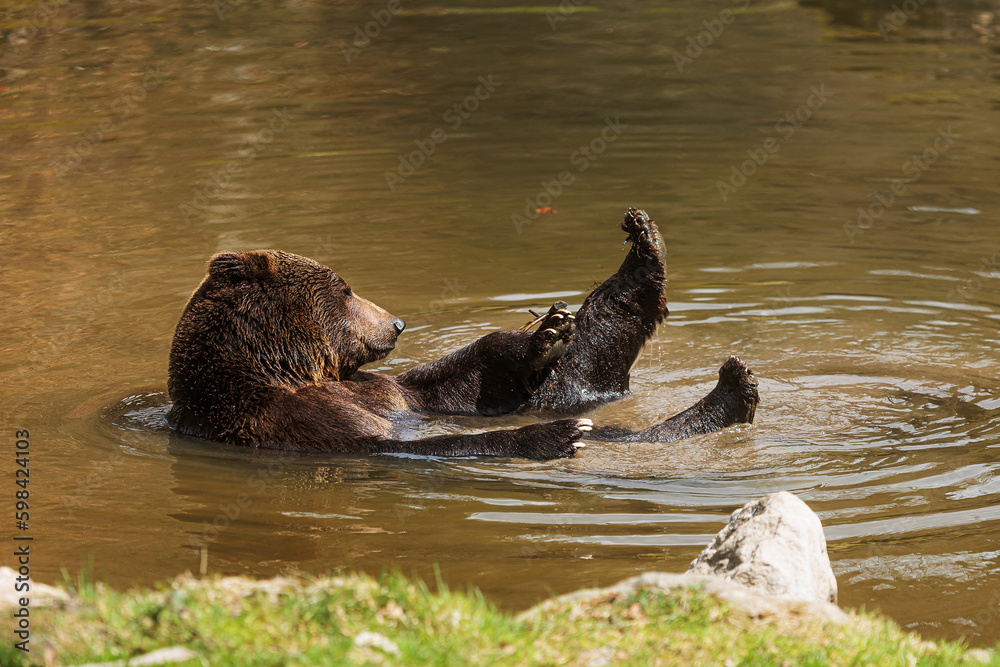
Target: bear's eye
[{"x": 347, "y": 292}]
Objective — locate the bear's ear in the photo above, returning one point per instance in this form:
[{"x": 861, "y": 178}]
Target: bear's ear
[{"x": 239, "y": 266}]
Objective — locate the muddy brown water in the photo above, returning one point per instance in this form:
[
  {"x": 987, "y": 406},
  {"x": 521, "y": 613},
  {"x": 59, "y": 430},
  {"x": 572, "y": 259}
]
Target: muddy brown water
[{"x": 137, "y": 140}]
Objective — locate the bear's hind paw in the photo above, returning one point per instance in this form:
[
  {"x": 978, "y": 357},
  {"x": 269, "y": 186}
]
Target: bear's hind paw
[{"x": 738, "y": 384}]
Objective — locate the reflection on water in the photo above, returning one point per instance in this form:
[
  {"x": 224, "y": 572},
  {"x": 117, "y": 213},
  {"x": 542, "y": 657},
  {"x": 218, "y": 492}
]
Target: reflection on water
[
  {"x": 915, "y": 19},
  {"x": 850, "y": 259}
]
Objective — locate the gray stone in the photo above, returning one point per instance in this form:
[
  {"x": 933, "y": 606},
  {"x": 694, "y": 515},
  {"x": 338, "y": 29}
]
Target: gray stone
[
  {"x": 752, "y": 603},
  {"x": 163, "y": 656},
  {"x": 774, "y": 546},
  {"x": 40, "y": 595},
  {"x": 375, "y": 640}
]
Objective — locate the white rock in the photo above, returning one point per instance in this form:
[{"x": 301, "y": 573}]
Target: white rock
[
  {"x": 375, "y": 640},
  {"x": 163, "y": 656},
  {"x": 774, "y": 546},
  {"x": 40, "y": 595},
  {"x": 751, "y": 602}
]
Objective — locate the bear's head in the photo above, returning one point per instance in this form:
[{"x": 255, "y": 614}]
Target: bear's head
[{"x": 268, "y": 318}]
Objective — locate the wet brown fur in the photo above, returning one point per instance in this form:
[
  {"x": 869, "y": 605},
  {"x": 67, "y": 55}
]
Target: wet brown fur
[{"x": 268, "y": 350}]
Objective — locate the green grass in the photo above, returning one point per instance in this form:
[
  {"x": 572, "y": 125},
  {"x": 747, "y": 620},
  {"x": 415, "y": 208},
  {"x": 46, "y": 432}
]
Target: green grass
[{"x": 307, "y": 621}]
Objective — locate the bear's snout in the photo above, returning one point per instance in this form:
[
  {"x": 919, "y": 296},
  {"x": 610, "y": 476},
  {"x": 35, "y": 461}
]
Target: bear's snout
[{"x": 378, "y": 328}]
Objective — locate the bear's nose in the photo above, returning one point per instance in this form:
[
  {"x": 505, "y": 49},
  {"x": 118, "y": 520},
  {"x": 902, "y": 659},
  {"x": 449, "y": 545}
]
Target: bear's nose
[{"x": 400, "y": 325}]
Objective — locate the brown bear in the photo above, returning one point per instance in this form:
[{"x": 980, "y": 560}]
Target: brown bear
[{"x": 268, "y": 350}]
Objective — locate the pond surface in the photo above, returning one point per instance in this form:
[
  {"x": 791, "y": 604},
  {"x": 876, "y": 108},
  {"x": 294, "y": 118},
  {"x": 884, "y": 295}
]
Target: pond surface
[{"x": 829, "y": 199}]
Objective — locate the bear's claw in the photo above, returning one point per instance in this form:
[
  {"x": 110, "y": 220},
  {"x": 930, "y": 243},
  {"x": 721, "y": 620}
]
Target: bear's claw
[
  {"x": 558, "y": 311},
  {"x": 550, "y": 440},
  {"x": 636, "y": 224},
  {"x": 585, "y": 426},
  {"x": 554, "y": 332}
]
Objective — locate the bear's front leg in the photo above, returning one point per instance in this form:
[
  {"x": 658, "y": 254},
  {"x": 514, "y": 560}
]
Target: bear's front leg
[
  {"x": 538, "y": 442},
  {"x": 613, "y": 324},
  {"x": 494, "y": 375},
  {"x": 324, "y": 418}
]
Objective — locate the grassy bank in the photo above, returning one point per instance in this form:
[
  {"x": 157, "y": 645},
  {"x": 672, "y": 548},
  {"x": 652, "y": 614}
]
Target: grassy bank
[{"x": 355, "y": 620}]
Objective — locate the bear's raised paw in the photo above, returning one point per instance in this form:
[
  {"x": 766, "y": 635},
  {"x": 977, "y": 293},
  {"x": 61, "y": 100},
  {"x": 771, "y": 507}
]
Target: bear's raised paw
[
  {"x": 555, "y": 329},
  {"x": 637, "y": 225}
]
